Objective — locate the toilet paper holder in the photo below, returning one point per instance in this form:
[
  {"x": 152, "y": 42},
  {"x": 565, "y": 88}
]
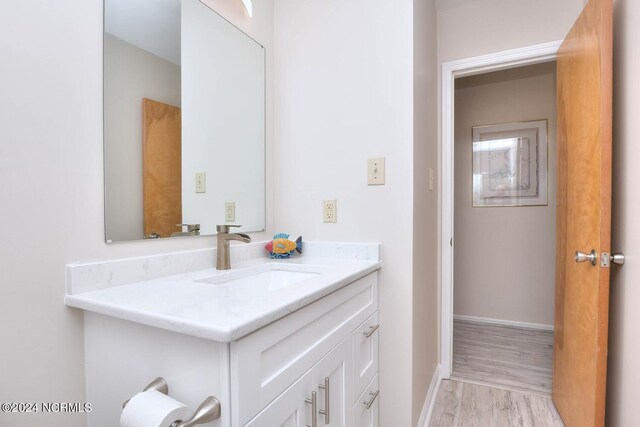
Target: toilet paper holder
[
  {"x": 159, "y": 385},
  {"x": 207, "y": 411}
]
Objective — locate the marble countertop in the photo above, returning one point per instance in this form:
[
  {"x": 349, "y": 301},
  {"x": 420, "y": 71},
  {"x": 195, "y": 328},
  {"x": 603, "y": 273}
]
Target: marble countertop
[{"x": 207, "y": 303}]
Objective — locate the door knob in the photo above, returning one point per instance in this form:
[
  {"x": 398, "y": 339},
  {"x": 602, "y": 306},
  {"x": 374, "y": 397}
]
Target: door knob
[
  {"x": 617, "y": 259},
  {"x": 591, "y": 257},
  {"x": 612, "y": 259}
]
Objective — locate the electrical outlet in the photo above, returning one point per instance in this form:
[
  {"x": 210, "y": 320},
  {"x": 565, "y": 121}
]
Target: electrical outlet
[
  {"x": 375, "y": 171},
  {"x": 201, "y": 182},
  {"x": 330, "y": 211},
  {"x": 230, "y": 211}
]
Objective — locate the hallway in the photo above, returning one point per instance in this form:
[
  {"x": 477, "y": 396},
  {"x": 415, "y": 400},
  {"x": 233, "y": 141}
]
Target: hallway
[
  {"x": 502, "y": 356},
  {"x": 464, "y": 404}
]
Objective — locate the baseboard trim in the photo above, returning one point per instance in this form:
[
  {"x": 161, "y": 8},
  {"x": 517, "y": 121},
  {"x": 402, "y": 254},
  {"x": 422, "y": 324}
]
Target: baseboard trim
[
  {"x": 514, "y": 324},
  {"x": 430, "y": 400},
  {"x": 499, "y": 386}
]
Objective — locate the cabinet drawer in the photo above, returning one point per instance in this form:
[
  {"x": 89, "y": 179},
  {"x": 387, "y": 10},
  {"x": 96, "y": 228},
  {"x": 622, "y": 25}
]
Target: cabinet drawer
[
  {"x": 266, "y": 362},
  {"x": 363, "y": 416},
  {"x": 365, "y": 354}
]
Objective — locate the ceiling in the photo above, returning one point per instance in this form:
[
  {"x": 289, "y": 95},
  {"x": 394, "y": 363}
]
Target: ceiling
[{"x": 152, "y": 25}]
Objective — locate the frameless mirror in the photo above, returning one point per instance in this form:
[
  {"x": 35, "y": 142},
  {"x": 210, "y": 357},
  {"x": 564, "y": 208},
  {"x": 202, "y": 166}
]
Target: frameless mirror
[{"x": 184, "y": 121}]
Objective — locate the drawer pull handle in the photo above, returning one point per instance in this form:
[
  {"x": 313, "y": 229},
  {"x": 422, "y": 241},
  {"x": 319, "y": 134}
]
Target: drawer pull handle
[
  {"x": 314, "y": 409},
  {"x": 325, "y": 411},
  {"x": 373, "y": 399},
  {"x": 371, "y": 330}
]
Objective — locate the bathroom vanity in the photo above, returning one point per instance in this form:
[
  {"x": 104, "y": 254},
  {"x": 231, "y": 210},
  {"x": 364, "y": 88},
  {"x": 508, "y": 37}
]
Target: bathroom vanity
[{"x": 277, "y": 342}]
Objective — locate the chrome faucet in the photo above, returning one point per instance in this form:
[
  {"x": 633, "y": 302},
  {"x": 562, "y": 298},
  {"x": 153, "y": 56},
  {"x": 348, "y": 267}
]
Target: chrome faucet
[
  {"x": 223, "y": 260},
  {"x": 187, "y": 230}
]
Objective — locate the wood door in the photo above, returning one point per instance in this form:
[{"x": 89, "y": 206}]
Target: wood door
[
  {"x": 583, "y": 217},
  {"x": 162, "y": 167}
]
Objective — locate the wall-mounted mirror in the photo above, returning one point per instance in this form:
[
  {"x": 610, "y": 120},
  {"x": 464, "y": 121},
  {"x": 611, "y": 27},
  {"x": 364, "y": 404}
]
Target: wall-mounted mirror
[{"x": 184, "y": 121}]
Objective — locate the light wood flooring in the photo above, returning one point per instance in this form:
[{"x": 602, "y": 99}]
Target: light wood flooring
[
  {"x": 460, "y": 404},
  {"x": 505, "y": 357}
]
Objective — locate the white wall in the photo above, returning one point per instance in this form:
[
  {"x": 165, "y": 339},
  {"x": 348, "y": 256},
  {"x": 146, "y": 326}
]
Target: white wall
[
  {"x": 52, "y": 210},
  {"x": 623, "y": 386},
  {"x": 481, "y": 27},
  {"x": 344, "y": 93},
  {"x": 425, "y": 204},
  {"x": 130, "y": 75},
  {"x": 494, "y": 276},
  {"x": 223, "y": 129}
]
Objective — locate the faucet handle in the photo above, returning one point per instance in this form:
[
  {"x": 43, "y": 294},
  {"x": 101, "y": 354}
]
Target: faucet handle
[
  {"x": 224, "y": 228},
  {"x": 189, "y": 227}
]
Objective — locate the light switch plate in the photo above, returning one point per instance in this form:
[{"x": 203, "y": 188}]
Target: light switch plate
[
  {"x": 230, "y": 211},
  {"x": 431, "y": 178},
  {"x": 201, "y": 182},
  {"x": 375, "y": 171},
  {"x": 330, "y": 211}
]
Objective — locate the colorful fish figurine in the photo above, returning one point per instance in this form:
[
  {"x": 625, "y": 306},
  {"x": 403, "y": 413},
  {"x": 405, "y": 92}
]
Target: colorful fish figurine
[{"x": 281, "y": 247}]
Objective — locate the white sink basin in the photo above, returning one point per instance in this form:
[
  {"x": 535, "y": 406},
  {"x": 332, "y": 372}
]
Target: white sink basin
[{"x": 270, "y": 276}]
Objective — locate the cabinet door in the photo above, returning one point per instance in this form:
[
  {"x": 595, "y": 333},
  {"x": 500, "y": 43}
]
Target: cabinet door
[
  {"x": 290, "y": 409},
  {"x": 365, "y": 410},
  {"x": 365, "y": 354},
  {"x": 333, "y": 379}
]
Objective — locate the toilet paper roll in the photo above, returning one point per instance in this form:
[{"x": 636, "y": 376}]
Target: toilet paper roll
[{"x": 153, "y": 409}]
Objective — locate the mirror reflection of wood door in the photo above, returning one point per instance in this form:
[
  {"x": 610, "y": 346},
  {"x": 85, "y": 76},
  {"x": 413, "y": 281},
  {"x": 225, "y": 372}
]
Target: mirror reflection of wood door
[
  {"x": 162, "y": 167},
  {"x": 584, "y": 217}
]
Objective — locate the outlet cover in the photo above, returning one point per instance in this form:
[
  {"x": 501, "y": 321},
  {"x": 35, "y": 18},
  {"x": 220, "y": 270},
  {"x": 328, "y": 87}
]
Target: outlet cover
[
  {"x": 375, "y": 171},
  {"x": 230, "y": 211},
  {"x": 330, "y": 211}
]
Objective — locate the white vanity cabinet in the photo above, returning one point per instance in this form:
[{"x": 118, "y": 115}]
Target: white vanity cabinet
[
  {"x": 295, "y": 406},
  {"x": 276, "y": 369},
  {"x": 122, "y": 357},
  {"x": 322, "y": 356}
]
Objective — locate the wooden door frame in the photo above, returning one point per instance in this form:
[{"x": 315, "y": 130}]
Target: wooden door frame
[{"x": 530, "y": 55}]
